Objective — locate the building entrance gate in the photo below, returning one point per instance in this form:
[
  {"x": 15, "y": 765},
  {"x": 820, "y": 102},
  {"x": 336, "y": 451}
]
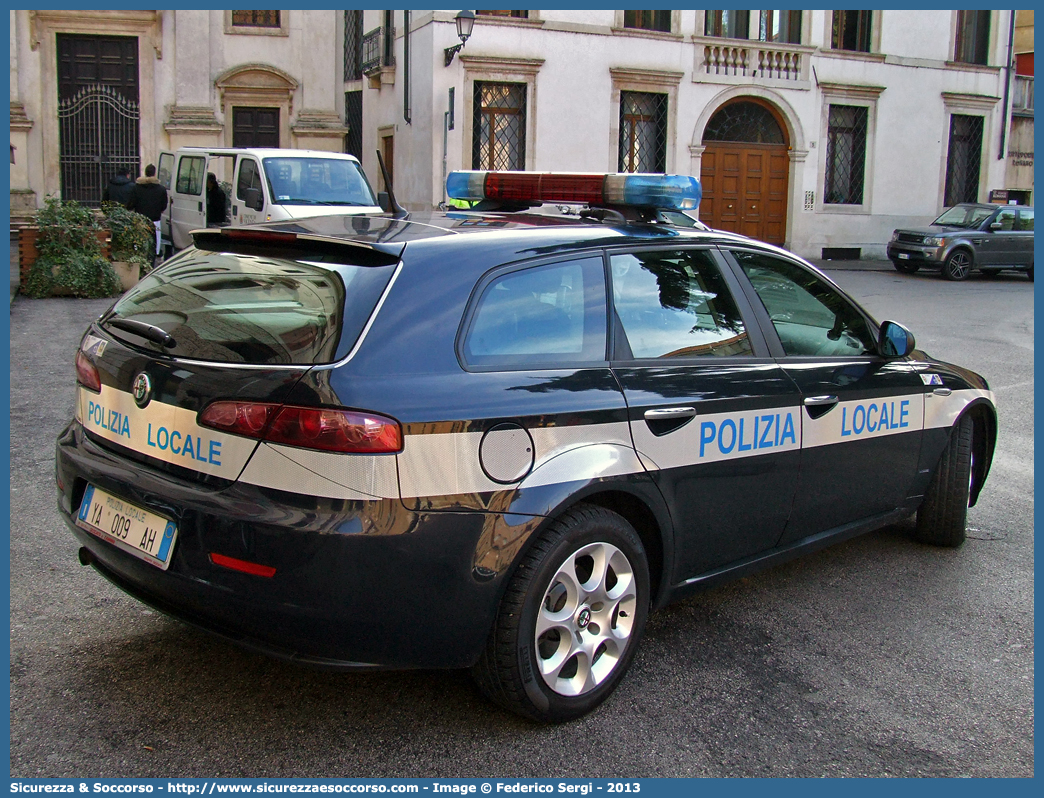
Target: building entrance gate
[
  {"x": 98, "y": 113},
  {"x": 745, "y": 172}
]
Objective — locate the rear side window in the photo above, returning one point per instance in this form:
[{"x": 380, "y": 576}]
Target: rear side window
[
  {"x": 675, "y": 304},
  {"x": 239, "y": 308},
  {"x": 1025, "y": 220},
  {"x": 166, "y": 164},
  {"x": 1006, "y": 219},
  {"x": 540, "y": 316},
  {"x": 190, "y": 175}
]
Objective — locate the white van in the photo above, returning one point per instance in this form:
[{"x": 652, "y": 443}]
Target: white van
[{"x": 266, "y": 185}]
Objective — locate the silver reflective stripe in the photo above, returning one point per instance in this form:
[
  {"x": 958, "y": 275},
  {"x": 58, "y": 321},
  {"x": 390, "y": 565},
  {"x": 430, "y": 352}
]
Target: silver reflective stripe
[
  {"x": 162, "y": 431},
  {"x": 448, "y": 464},
  {"x": 942, "y": 411},
  {"x": 848, "y": 422},
  {"x": 355, "y": 477}
]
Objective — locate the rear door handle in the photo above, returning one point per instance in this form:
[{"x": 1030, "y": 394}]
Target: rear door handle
[
  {"x": 665, "y": 420},
  {"x": 669, "y": 413}
]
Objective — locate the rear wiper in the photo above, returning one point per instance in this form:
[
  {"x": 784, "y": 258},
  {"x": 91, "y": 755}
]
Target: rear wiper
[{"x": 149, "y": 331}]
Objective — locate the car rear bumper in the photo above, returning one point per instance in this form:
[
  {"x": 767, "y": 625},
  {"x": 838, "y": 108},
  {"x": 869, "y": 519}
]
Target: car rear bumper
[{"x": 357, "y": 584}]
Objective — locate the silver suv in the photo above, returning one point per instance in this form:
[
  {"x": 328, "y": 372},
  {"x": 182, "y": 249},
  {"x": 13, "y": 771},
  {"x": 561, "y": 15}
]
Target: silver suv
[{"x": 966, "y": 237}]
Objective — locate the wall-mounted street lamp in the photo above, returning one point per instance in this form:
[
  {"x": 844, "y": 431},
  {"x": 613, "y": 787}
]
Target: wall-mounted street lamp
[{"x": 465, "y": 22}]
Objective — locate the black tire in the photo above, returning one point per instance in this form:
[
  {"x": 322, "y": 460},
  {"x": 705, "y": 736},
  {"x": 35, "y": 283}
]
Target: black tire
[
  {"x": 905, "y": 267},
  {"x": 958, "y": 266},
  {"x": 943, "y": 515},
  {"x": 509, "y": 671}
]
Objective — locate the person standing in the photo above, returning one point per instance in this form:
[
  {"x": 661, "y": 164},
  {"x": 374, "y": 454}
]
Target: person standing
[
  {"x": 149, "y": 198},
  {"x": 119, "y": 187},
  {"x": 216, "y": 202}
]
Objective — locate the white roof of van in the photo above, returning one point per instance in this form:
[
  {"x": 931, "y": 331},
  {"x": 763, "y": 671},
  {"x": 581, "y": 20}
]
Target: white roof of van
[{"x": 270, "y": 152}]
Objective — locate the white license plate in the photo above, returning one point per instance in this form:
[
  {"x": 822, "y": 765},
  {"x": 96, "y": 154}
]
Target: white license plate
[
  {"x": 143, "y": 534},
  {"x": 904, "y": 256}
]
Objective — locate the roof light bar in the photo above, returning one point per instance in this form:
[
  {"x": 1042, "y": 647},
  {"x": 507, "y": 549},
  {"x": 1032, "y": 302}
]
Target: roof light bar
[{"x": 675, "y": 192}]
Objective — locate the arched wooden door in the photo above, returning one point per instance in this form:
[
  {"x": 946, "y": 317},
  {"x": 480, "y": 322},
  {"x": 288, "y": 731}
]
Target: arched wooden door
[{"x": 745, "y": 171}]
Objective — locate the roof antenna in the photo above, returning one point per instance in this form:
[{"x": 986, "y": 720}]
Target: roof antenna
[{"x": 397, "y": 211}]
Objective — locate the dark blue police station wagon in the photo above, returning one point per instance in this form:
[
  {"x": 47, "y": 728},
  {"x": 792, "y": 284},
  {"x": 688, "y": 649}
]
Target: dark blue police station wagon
[{"x": 495, "y": 439}]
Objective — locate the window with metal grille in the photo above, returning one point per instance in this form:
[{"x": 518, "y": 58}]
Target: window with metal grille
[
  {"x": 643, "y": 132},
  {"x": 511, "y": 14},
  {"x": 256, "y": 19},
  {"x": 851, "y": 31},
  {"x": 973, "y": 37},
  {"x": 780, "y": 26},
  {"x": 499, "y": 136},
  {"x": 648, "y": 20},
  {"x": 845, "y": 155},
  {"x": 963, "y": 159},
  {"x": 744, "y": 121},
  {"x": 727, "y": 24},
  {"x": 353, "y": 36},
  {"x": 388, "y": 50},
  {"x": 353, "y": 121}
]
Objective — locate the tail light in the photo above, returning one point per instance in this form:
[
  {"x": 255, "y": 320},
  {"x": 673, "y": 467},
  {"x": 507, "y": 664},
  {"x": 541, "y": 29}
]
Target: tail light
[
  {"x": 323, "y": 428},
  {"x": 87, "y": 373}
]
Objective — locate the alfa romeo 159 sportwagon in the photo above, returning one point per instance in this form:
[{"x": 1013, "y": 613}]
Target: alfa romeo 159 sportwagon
[{"x": 495, "y": 439}]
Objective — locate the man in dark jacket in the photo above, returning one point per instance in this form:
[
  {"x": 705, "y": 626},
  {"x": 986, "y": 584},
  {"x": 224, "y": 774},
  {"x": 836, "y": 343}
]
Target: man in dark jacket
[
  {"x": 216, "y": 201},
  {"x": 149, "y": 198},
  {"x": 119, "y": 188}
]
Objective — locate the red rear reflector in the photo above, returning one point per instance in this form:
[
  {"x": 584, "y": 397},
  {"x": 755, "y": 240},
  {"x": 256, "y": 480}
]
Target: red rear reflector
[
  {"x": 327, "y": 429},
  {"x": 87, "y": 373},
  {"x": 242, "y": 565}
]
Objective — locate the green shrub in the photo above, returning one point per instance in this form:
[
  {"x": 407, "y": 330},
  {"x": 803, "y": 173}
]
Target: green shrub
[
  {"x": 69, "y": 259},
  {"x": 67, "y": 229},
  {"x": 87, "y": 276},
  {"x": 133, "y": 235}
]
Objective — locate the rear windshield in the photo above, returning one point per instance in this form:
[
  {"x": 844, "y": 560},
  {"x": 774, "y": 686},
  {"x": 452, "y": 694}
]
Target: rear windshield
[
  {"x": 240, "y": 308},
  {"x": 317, "y": 181}
]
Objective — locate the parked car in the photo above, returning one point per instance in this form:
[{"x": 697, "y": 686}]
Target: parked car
[
  {"x": 496, "y": 440},
  {"x": 265, "y": 185},
  {"x": 966, "y": 238}
]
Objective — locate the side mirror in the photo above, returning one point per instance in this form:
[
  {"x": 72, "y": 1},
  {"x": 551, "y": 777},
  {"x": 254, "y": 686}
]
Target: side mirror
[
  {"x": 895, "y": 340},
  {"x": 253, "y": 199},
  {"x": 996, "y": 226},
  {"x": 384, "y": 201}
]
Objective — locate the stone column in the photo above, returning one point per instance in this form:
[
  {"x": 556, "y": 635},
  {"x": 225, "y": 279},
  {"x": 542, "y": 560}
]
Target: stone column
[
  {"x": 23, "y": 198},
  {"x": 191, "y": 120},
  {"x": 317, "y": 125}
]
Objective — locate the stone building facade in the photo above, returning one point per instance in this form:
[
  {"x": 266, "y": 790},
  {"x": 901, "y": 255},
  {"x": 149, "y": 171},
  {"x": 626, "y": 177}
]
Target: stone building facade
[
  {"x": 91, "y": 90},
  {"x": 817, "y": 130}
]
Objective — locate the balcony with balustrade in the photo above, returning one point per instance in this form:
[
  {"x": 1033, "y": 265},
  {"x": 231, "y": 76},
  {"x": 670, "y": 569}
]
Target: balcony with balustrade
[
  {"x": 378, "y": 59},
  {"x": 751, "y": 63}
]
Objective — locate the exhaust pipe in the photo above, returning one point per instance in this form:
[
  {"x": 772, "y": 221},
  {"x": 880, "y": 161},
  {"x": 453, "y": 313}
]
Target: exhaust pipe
[{"x": 85, "y": 556}]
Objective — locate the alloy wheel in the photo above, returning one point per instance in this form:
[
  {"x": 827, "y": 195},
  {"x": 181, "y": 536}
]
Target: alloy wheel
[{"x": 585, "y": 619}]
